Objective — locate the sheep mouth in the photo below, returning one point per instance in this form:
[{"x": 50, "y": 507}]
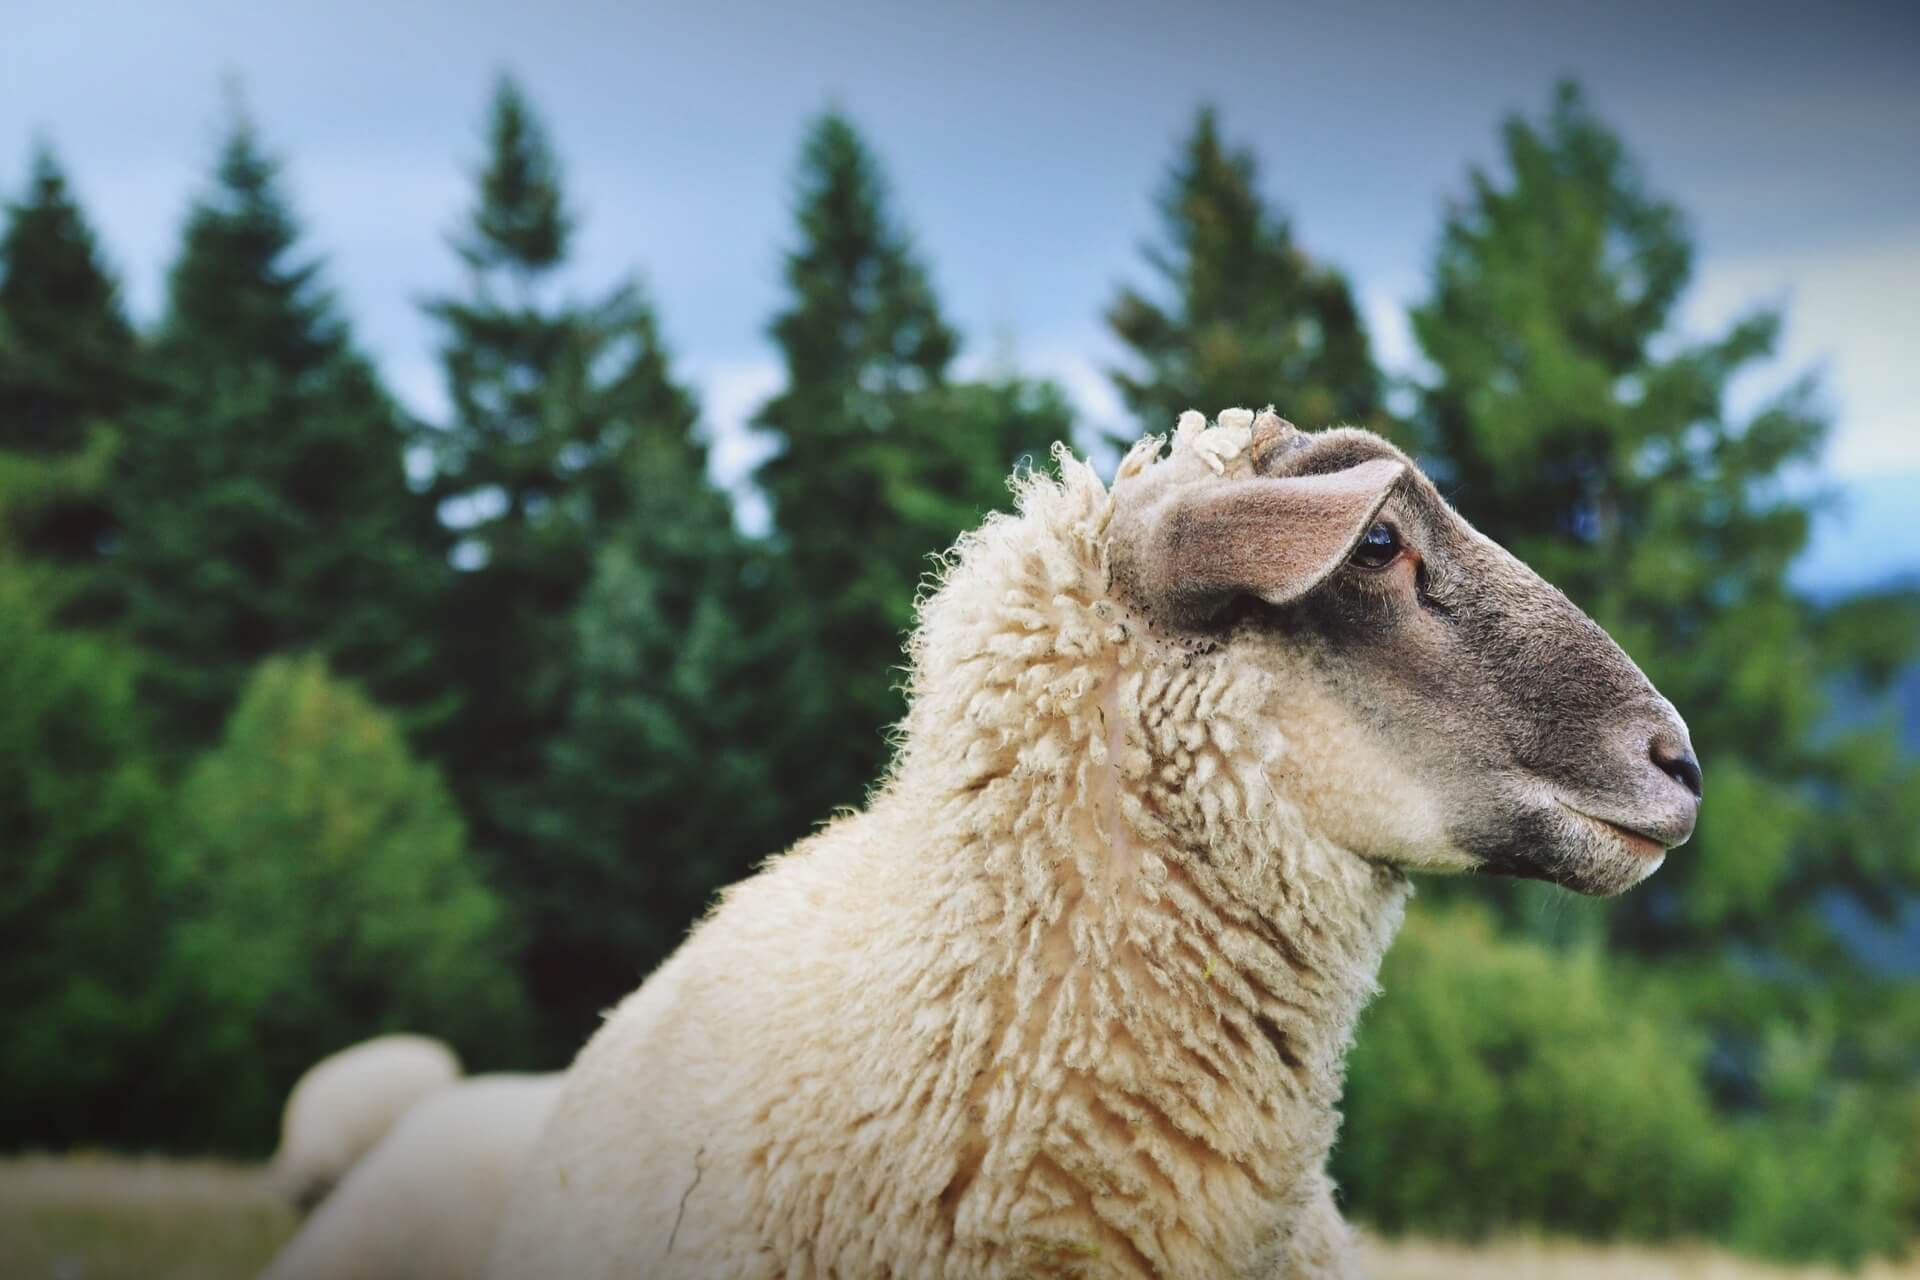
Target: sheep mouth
[
  {"x": 1559, "y": 844},
  {"x": 1633, "y": 840}
]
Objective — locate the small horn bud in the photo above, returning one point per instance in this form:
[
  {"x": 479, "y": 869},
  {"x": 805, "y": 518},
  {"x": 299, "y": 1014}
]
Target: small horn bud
[{"x": 1273, "y": 436}]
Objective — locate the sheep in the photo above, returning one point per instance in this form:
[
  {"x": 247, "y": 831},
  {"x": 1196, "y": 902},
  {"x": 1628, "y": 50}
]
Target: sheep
[
  {"x": 1071, "y": 996},
  {"x": 424, "y": 1203},
  {"x": 345, "y": 1103}
]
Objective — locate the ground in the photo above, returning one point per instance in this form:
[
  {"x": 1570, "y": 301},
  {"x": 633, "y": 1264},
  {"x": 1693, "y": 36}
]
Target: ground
[
  {"x": 109, "y": 1218},
  {"x": 106, "y": 1218}
]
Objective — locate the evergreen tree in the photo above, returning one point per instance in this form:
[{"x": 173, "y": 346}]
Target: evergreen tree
[
  {"x": 1247, "y": 318},
  {"x": 68, "y": 370},
  {"x": 659, "y": 789},
  {"x": 884, "y": 460},
  {"x": 556, "y": 408},
  {"x": 1577, "y": 426},
  {"x": 263, "y": 496},
  {"x": 80, "y": 922},
  {"x": 320, "y": 891},
  {"x": 1571, "y": 421}
]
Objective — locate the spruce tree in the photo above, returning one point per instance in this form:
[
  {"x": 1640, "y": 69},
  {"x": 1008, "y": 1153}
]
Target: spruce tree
[
  {"x": 659, "y": 789},
  {"x": 1572, "y": 420},
  {"x": 68, "y": 372},
  {"x": 557, "y": 407},
  {"x": 883, "y": 458},
  {"x": 262, "y": 491},
  {"x": 1242, "y": 316},
  {"x": 608, "y": 623}
]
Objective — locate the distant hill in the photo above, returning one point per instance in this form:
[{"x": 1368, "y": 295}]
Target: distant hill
[
  {"x": 1901, "y": 697},
  {"x": 1905, "y": 696},
  {"x": 1899, "y": 702},
  {"x": 1887, "y": 943}
]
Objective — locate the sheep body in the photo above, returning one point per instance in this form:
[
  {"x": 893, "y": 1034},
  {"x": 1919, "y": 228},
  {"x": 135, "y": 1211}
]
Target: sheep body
[
  {"x": 425, "y": 1202},
  {"x": 346, "y": 1102},
  {"x": 1071, "y": 996}
]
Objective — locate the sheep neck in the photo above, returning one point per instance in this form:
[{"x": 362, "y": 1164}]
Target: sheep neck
[{"x": 1175, "y": 964}]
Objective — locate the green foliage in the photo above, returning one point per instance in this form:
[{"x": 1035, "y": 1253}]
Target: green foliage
[
  {"x": 572, "y": 453},
  {"x": 68, "y": 367},
  {"x": 78, "y": 805},
  {"x": 1875, "y": 633},
  {"x": 44, "y": 497},
  {"x": 1570, "y": 421},
  {"x": 863, "y": 312},
  {"x": 1248, "y": 319},
  {"x": 261, "y": 487},
  {"x": 521, "y": 223},
  {"x": 320, "y": 891},
  {"x": 659, "y": 789},
  {"x": 1498, "y": 1082},
  {"x": 556, "y": 409},
  {"x": 883, "y": 460},
  {"x": 69, "y": 352},
  {"x": 1501, "y": 1084},
  {"x": 1818, "y": 1174}
]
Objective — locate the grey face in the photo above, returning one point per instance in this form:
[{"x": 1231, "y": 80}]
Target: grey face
[{"x": 1543, "y": 748}]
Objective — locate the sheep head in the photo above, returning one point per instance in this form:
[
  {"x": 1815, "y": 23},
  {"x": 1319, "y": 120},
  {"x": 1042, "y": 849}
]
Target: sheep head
[{"x": 1467, "y": 716}]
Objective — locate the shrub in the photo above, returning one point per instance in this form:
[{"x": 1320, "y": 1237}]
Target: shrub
[
  {"x": 1500, "y": 1083},
  {"x": 1820, "y": 1170},
  {"x": 78, "y": 927},
  {"x": 324, "y": 892}
]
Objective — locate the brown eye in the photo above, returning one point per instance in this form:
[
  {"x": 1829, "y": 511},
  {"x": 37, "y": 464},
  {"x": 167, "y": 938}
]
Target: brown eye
[{"x": 1379, "y": 547}]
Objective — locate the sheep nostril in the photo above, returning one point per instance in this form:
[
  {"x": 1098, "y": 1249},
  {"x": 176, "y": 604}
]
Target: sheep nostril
[{"x": 1677, "y": 761}]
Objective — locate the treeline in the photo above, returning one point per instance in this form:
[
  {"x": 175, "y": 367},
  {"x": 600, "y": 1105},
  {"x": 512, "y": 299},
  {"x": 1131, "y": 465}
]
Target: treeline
[{"x": 317, "y": 720}]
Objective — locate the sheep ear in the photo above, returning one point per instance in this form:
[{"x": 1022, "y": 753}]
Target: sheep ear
[{"x": 1276, "y": 538}]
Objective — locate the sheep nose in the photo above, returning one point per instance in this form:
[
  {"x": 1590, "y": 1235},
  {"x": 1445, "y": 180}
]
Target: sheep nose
[{"x": 1673, "y": 756}]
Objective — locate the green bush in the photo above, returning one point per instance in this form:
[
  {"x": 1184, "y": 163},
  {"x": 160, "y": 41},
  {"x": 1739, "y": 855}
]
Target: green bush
[
  {"x": 1499, "y": 1082},
  {"x": 78, "y": 928},
  {"x": 1820, "y": 1171},
  {"x": 323, "y": 890}
]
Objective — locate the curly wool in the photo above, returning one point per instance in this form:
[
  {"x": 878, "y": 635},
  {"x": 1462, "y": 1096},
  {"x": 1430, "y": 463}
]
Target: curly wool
[{"x": 1071, "y": 997}]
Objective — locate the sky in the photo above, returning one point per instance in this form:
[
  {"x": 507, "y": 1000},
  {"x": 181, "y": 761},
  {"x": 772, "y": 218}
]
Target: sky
[{"x": 1024, "y": 142}]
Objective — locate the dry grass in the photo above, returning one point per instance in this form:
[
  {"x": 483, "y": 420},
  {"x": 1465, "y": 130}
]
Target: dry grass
[
  {"x": 109, "y": 1218},
  {"x": 1520, "y": 1259}
]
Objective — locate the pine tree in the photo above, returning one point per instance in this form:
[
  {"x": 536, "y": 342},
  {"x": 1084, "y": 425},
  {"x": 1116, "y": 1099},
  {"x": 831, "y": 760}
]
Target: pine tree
[
  {"x": 1247, "y": 318},
  {"x": 320, "y": 891},
  {"x": 68, "y": 372},
  {"x": 263, "y": 495},
  {"x": 556, "y": 407},
  {"x": 884, "y": 460},
  {"x": 1571, "y": 420}
]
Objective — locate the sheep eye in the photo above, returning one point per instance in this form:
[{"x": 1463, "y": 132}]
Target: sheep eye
[{"x": 1378, "y": 548}]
